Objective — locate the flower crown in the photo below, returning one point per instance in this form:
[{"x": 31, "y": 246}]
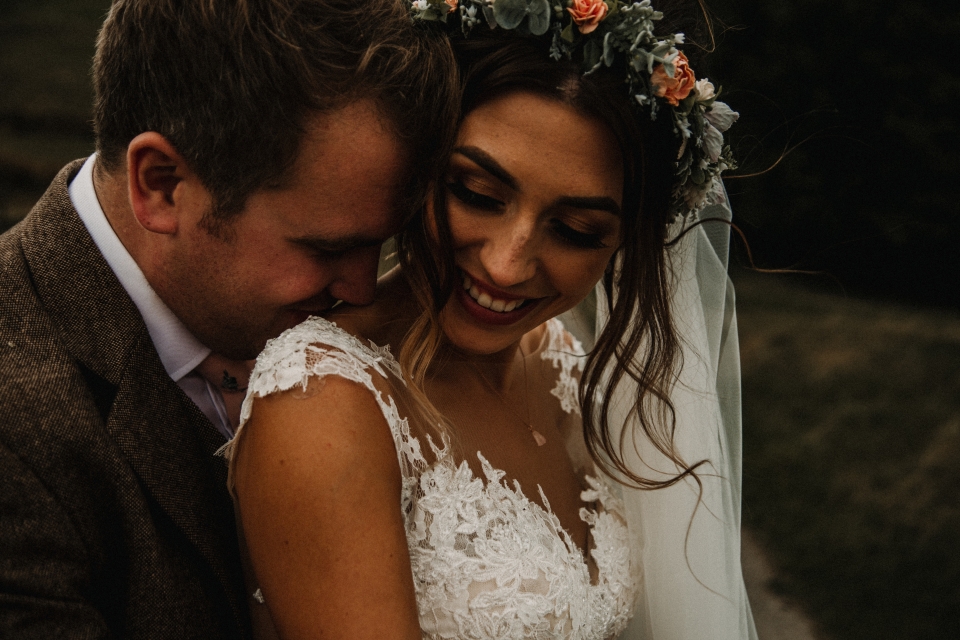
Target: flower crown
[{"x": 658, "y": 74}]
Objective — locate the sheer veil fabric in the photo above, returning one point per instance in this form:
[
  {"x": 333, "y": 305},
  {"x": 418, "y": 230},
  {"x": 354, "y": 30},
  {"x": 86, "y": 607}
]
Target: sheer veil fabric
[{"x": 687, "y": 542}]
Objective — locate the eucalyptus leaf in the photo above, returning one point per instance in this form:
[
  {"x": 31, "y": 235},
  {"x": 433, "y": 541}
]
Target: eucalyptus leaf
[
  {"x": 510, "y": 13},
  {"x": 567, "y": 33},
  {"x": 490, "y": 16},
  {"x": 608, "y": 51},
  {"x": 697, "y": 176},
  {"x": 539, "y": 12},
  {"x": 591, "y": 53}
]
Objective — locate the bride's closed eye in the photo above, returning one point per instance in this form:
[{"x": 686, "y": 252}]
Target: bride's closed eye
[
  {"x": 472, "y": 198},
  {"x": 577, "y": 239},
  {"x": 567, "y": 234}
]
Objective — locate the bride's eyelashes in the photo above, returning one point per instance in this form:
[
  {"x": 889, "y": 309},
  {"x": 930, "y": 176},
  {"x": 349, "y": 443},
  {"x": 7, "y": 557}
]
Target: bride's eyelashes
[
  {"x": 564, "y": 232},
  {"x": 473, "y": 199},
  {"x": 578, "y": 239}
]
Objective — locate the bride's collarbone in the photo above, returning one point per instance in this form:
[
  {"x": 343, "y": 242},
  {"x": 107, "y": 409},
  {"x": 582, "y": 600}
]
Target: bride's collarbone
[{"x": 484, "y": 425}]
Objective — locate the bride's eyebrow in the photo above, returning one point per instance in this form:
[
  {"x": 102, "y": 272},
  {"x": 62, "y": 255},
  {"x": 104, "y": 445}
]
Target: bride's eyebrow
[
  {"x": 601, "y": 203},
  {"x": 488, "y": 164},
  {"x": 491, "y": 166}
]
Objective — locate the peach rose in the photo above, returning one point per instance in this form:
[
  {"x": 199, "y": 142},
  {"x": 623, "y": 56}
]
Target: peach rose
[
  {"x": 587, "y": 14},
  {"x": 452, "y": 4},
  {"x": 674, "y": 89}
]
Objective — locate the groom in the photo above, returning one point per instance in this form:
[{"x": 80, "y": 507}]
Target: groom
[{"x": 251, "y": 157}]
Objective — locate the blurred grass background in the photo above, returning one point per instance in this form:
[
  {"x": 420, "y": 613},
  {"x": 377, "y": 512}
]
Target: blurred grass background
[
  {"x": 851, "y": 382},
  {"x": 851, "y": 457}
]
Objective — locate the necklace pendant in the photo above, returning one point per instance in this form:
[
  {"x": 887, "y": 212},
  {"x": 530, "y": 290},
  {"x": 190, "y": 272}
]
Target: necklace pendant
[{"x": 538, "y": 437}]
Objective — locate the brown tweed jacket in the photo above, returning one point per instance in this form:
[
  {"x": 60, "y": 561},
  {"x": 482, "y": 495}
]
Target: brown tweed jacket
[{"x": 115, "y": 521}]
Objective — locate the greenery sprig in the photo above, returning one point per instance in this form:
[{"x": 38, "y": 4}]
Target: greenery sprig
[{"x": 598, "y": 32}]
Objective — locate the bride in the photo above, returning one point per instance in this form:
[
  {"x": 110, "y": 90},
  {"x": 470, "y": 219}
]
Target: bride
[{"x": 447, "y": 462}]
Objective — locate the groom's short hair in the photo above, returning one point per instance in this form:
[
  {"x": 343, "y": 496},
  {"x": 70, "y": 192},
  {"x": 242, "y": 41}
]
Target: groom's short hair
[{"x": 232, "y": 84}]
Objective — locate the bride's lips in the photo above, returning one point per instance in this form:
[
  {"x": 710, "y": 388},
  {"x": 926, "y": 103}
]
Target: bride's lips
[{"x": 489, "y": 305}]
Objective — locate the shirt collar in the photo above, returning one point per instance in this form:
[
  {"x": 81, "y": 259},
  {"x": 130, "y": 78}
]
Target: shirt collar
[{"x": 179, "y": 350}]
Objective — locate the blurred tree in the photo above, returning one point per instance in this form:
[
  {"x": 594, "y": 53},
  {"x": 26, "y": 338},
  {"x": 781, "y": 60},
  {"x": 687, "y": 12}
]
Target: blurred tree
[
  {"x": 862, "y": 93},
  {"x": 45, "y": 103},
  {"x": 862, "y": 96}
]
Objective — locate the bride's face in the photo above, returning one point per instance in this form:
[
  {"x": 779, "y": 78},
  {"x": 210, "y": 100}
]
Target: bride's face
[{"x": 534, "y": 193}]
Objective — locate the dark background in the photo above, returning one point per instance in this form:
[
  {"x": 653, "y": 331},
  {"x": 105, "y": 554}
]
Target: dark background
[
  {"x": 851, "y": 378},
  {"x": 858, "y": 101},
  {"x": 849, "y": 108}
]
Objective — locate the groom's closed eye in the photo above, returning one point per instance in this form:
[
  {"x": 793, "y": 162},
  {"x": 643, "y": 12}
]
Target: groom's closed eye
[{"x": 336, "y": 247}]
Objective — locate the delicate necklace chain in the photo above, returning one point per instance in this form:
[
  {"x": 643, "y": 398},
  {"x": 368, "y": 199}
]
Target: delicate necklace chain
[{"x": 537, "y": 436}]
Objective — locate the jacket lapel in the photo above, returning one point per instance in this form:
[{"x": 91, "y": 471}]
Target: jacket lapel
[{"x": 167, "y": 440}]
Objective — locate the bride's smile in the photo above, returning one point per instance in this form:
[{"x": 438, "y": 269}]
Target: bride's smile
[
  {"x": 534, "y": 191},
  {"x": 490, "y": 305}
]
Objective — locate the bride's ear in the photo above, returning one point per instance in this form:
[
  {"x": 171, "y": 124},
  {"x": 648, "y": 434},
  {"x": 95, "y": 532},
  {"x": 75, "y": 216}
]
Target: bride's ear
[{"x": 159, "y": 183}]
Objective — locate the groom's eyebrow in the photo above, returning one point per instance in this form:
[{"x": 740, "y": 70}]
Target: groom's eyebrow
[{"x": 486, "y": 162}]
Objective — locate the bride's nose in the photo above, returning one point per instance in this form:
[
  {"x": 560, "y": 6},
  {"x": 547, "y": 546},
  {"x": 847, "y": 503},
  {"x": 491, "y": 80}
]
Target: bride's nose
[{"x": 509, "y": 256}]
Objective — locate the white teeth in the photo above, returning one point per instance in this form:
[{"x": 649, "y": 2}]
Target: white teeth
[{"x": 486, "y": 300}]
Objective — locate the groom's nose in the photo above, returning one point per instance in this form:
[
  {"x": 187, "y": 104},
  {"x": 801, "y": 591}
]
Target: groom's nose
[{"x": 355, "y": 276}]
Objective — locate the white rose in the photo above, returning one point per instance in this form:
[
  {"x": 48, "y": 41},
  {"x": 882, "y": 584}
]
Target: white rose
[
  {"x": 721, "y": 116},
  {"x": 705, "y": 90}
]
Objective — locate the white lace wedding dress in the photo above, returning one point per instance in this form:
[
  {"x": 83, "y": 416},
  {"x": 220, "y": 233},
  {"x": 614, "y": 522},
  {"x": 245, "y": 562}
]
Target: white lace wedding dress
[{"x": 487, "y": 561}]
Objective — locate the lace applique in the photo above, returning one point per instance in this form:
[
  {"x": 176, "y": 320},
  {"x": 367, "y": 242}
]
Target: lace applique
[
  {"x": 566, "y": 353},
  {"x": 319, "y": 348},
  {"x": 487, "y": 562}
]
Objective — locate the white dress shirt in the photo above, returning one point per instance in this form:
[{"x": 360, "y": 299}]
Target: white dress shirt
[{"x": 179, "y": 350}]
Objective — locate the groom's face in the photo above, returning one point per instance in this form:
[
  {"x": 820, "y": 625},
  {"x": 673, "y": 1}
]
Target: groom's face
[{"x": 296, "y": 248}]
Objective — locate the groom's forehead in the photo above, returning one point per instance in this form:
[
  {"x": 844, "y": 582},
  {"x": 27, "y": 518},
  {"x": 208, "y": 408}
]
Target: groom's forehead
[
  {"x": 350, "y": 152},
  {"x": 347, "y": 188}
]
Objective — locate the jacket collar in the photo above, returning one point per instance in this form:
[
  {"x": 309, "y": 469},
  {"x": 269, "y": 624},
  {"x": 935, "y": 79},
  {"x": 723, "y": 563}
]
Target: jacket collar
[{"x": 167, "y": 440}]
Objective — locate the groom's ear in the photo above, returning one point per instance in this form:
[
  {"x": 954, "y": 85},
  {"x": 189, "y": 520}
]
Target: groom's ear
[{"x": 160, "y": 184}]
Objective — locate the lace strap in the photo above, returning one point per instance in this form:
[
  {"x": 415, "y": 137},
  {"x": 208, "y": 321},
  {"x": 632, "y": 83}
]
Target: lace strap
[
  {"x": 566, "y": 354},
  {"x": 317, "y": 348}
]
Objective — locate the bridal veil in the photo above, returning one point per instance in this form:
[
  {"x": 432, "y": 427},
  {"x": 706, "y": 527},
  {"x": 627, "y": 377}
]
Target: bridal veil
[{"x": 686, "y": 537}]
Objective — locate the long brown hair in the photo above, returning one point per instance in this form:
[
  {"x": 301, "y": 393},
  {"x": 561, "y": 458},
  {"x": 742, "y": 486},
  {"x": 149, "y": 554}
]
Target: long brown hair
[{"x": 639, "y": 341}]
